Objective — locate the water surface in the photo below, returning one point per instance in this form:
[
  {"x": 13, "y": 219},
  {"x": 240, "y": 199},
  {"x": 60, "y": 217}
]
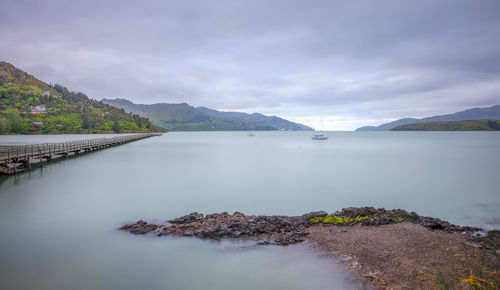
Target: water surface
[{"x": 59, "y": 223}]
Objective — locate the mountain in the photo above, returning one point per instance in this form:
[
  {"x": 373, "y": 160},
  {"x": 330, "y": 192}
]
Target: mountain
[
  {"x": 492, "y": 113},
  {"x": 30, "y": 106},
  {"x": 263, "y": 120},
  {"x": 469, "y": 125},
  {"x": 183, "y": 117}
]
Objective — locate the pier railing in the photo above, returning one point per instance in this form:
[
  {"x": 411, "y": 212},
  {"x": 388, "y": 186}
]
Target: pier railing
[{"x": 17, "y": 158}]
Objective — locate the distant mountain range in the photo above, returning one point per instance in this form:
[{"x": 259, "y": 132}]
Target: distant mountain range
[
  {"x": 492, "y": 113},
  {"x": 183, "y": 117}
]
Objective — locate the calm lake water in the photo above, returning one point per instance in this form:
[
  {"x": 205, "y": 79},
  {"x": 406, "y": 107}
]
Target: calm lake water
[{"x": 59, "y": 224}]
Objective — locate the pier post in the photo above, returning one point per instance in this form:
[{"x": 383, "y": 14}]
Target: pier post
[{"x": 40, "y": 156}]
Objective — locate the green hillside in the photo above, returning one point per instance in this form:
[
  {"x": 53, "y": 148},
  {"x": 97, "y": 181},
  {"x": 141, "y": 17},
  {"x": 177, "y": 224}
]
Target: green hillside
[
  {"x": 471, "y": 125},
  {"x": 183, "y": 117},
  {"x": 30, "y": 106},
  {"x": 490, "y": 113}
]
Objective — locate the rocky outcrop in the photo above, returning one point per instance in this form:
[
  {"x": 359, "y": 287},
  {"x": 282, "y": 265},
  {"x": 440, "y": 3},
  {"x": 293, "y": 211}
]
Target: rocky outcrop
[
  {"x": 266, "y": 230},
  {"x": 390, "y": 248},
  {"x": 283, "y": 230}
]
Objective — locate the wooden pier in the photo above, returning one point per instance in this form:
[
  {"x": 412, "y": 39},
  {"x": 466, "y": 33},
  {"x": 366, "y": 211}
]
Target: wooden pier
[{"x": 19, "y": 158}]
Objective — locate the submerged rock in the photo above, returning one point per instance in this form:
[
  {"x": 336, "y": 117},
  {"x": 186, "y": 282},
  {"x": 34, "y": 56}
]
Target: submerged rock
[{"x": 139, "y": 228}]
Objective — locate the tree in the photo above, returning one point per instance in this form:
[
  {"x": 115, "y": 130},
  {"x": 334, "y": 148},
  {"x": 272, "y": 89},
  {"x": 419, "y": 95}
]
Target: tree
[
  {"x": 3, "y": 79},
  {"x": 116, "y": 127},
  {"x": 15, "y": 122},
  {"x": 85, "y": 121},
  {"x": 494, "y": 124}
]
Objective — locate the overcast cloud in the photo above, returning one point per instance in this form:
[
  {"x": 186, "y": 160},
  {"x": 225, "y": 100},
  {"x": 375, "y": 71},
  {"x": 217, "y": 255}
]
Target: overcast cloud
[{"x": 329, "y": 64}]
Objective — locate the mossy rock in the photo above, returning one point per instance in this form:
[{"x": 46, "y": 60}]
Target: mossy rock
[{"x": 370, "y": 220}]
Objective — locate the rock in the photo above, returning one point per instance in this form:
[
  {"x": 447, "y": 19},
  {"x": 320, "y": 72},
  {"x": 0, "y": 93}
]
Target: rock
[
  {"x": 126, "y": 227},
  {"x": 139, "y": 228},
  {"x": 378, "y": 222},
  {"x": 384, "y": 221},
  {"x": 192, "y": 217},
  {"x": 432, "y": 223},
  {"x": 314, "y": 214},
  {"x": 401, "y": 213},
  {"x": 414, "y": 216},
  {"x": 352, "y": 212},
  {"x": 491, "y": 241},
  {"x": 264, "y": 243},
  {"x": 288, "y": 239}
]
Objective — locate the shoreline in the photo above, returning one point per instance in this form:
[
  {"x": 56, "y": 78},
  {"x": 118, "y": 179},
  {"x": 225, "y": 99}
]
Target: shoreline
[
  {"x": 388, "y": 248},
  {"x": 90, "y": 133}
]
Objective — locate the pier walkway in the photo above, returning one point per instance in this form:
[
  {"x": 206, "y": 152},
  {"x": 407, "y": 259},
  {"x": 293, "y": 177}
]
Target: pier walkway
[{"x": 18, "y": 158}]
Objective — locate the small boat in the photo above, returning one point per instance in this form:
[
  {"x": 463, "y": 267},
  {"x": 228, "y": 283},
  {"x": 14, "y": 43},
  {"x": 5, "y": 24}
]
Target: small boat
[
  {"x": 251, "y": 135},
  {"x": 319, "y": 137}
]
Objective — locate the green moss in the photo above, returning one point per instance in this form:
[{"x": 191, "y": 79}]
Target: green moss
[
  {"x": 361, "y": 218},
  {"x": 338, "y": 220},
  {"x": 399, "y": 219}
]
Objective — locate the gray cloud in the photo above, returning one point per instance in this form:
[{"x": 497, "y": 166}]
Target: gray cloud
[{"x": 350, "y": 62}]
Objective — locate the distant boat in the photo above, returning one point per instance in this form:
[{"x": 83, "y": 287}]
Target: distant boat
[
  {"x": 251, "y": 135},
  {"x": 319, "y": 137}
]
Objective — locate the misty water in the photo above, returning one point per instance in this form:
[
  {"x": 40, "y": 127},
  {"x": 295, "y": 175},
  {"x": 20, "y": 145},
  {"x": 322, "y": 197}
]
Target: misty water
[{"x": 59, "y": 224}]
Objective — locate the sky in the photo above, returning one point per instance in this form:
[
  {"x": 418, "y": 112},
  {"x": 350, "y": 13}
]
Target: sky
[{"x": 332, "y": 65}]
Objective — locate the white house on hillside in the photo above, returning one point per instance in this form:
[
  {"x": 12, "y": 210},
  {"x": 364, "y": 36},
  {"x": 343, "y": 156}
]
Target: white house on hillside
[{"x": 38, "y": 110}]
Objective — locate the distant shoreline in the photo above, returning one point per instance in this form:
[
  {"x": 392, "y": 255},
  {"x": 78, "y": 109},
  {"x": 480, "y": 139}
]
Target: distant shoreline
[
  {"x": 59, "y": 134},
  {"x": 469, "y": 125}
]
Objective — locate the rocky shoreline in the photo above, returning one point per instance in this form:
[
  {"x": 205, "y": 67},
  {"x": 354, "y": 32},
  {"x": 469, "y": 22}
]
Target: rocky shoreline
[{"x": 378, "y": 242}]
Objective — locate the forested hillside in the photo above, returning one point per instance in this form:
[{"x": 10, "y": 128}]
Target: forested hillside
[
  {"x": 491, "y": 113},
  {"x": 183, "y": 117},
  {"x": 470, "y": 125},
  {"x": 30, "y": 106}
]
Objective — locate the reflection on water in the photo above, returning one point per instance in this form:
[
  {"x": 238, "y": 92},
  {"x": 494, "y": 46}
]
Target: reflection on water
[{"x": 59, "y": 223}]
